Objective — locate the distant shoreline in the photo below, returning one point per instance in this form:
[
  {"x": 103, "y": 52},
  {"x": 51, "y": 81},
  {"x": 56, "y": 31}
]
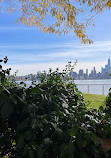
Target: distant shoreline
[{"x": 74, "y": 79}]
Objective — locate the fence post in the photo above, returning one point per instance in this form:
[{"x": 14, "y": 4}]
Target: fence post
[
  {"x": 88, "y": 89},
  {"x": 103, "y": 89}
]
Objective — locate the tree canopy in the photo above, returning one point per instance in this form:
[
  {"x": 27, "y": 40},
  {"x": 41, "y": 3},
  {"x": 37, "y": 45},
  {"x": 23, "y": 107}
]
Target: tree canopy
[{"x": 58, "y": 16}]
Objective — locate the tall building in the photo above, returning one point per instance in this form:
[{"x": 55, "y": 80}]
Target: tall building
[
  {"x": 81, "y": 74},
  {"x": 109, "y": 63},
  {"x": 109, "y": 66},
  {"x": 104, "y": 74},
  {"x": 86, "y": 72},
  {"x": 94, "y": 72},
  {"x": 102, "y": 70},
  {"x": 106, "y": 68}
]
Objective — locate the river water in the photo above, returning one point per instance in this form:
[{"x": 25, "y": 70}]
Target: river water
[
  {"x": 91, "y": 86},
  {"x": 94, "y": 86}
]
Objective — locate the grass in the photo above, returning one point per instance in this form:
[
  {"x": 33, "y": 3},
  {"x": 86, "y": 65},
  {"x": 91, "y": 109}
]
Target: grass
[{"x": 94, "y": 100}]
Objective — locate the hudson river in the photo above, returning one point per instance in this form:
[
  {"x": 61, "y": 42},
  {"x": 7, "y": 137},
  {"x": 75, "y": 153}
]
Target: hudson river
[
  {"x": 94, "y": 86},
  {"x": 91, "y": 86}
]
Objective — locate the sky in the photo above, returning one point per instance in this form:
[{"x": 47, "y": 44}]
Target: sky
[{"x": 29, "y": 50}]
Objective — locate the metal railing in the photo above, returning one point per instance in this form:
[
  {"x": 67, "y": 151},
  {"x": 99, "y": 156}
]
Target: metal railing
[{"x": 103, "y": 86}]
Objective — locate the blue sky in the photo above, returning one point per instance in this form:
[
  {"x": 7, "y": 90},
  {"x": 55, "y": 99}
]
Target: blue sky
[{"x": 29, "y": 50}]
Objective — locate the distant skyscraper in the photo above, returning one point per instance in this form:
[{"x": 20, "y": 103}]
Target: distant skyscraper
[
  {"x": 87, "y": 72},
  {"x": 104, "y": 74},
  {"x": 106, "y": 68},
  {"x": 81, "y": 72},
  {"x": 109, "y": 62},
  {"x": 109, "y": 66},
  {"x": 94, "y": 69},
  {"x": 94, "y": 72},
  {"x": 102, "y": 70}
]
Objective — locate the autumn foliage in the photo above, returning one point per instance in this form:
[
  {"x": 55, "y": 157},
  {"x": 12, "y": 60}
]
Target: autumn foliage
[{"x": 58, "y": 16}]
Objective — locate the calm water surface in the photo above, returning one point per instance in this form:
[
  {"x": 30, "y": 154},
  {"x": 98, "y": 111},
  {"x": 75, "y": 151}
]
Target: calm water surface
[{"x": 95, "y": 86}]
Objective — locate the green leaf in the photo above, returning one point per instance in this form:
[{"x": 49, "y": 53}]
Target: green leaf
[
  {"x": 7, "y": 109},
  {"x": 93, "y": 137},
  {"x": 28, "y": 135},
  {"x": 84, "y": 142},
  {"x": 37, "y": 90},
  {"x": 40, "y": 152},
  {"x": 73, "y": 131},
  {"x": 20, "y": 142},
  {"x": 31, "y": 154},
  {"x": 47, "y": 141},
  {"x": 23, "y": 125},
  {"x": 13, "y": 143},
  {"x": 101, "y": 108},
  {"x": 68, "y": 151},
  {"x": 56, "y": 128}
]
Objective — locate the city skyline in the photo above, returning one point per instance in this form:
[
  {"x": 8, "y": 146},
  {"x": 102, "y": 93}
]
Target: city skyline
[{"x": 104, "y": 74}]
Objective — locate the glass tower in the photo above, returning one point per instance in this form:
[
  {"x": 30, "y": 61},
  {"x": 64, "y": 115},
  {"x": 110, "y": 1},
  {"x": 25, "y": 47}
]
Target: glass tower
[{"x": 109, "y": 63}]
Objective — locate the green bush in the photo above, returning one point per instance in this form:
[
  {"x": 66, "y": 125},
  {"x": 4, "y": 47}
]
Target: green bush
[
  {"x": 108, "y": 103},
  {"x": 49, "y": 119}
]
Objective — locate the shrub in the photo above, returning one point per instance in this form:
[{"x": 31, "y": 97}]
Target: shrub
[
  {"x": 49, "y": 119},
  {"x": 108, "y": 103}
]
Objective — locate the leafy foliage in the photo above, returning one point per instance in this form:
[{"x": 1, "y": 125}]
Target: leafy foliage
[
  {"x": 49, "y": 119},
  {"x": 108, "y": 103},
  {"x": 57, "y": 16},
  {"x": 6, "y": 80}
]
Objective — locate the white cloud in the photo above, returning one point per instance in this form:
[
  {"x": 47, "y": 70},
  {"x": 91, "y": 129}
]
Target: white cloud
[
  {"x": 40, "y": 56},
  {"x": 25, "y": 69},
  {"x": 97, "y": 46},
  {"x": 88, "y": 56}
]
